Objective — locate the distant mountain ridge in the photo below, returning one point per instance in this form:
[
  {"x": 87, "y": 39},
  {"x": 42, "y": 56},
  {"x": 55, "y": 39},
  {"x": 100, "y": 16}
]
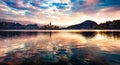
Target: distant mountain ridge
[
  {"x": 13, "y": 26},
  {"x": 88, "y": 24},
  {"x": 6, "y": 24}
]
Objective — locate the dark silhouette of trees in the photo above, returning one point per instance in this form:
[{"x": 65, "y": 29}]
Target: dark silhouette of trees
[
  {"x": 52, "y": 27},
  {"x": 115, "y": 24}
]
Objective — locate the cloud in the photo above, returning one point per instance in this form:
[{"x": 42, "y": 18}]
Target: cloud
[
  {"x": 3, "y": 7},
  {"x": 91, "y": 2},
  {"x": 110, "y": 3},
  {"x": 93, "y": 5},
  {"x": 67, "y": 11}
]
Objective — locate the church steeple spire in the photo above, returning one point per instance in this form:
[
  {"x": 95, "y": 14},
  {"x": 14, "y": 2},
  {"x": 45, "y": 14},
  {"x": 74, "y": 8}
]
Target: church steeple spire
[{"x": 50, "y": 23}]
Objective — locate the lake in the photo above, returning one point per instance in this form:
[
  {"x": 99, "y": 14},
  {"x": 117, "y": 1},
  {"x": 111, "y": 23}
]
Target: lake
[{"x": 60, "y": 47}]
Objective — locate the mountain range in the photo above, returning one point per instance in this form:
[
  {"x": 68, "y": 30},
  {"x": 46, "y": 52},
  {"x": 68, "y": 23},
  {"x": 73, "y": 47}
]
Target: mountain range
[{"x": 88, "y": 24}]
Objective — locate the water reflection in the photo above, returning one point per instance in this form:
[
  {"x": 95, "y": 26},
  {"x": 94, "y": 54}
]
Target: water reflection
[
  {"x": 112, "y": 34},
  {"x": 6, "y": 34},
  {"x": 88, "y": 35},
  {"x": 59, "y": 48}
]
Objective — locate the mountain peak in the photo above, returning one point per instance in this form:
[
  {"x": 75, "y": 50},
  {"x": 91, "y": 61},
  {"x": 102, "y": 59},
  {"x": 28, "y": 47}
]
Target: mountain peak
[
  {"x": 89, "y": 21},
  {"x": 88, "y": 24}
]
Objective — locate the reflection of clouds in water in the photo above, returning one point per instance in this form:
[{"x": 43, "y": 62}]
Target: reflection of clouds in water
[
  {"x": 87, "y": 56},
  {"x": 43, "y": 41},
  {"x": 84, "y": 48},
  {"x": 67, "y": 38},
  {"x": 105, "y": 43}
]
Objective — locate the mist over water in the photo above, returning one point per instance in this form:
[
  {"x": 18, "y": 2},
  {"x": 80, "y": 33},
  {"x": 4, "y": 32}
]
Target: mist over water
[{"x": 60, "y": 47}]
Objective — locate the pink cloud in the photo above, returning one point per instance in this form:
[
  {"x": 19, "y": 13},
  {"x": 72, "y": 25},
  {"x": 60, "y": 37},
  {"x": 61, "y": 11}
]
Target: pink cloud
[{"x": 91, "y": 2}]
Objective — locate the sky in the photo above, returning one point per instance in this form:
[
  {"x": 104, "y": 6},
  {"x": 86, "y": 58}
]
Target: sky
[{"x": 60, "y": 12}]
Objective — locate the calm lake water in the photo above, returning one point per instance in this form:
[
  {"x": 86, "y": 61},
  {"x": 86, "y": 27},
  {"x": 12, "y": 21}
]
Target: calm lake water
[{"x": 61, "y": 47}]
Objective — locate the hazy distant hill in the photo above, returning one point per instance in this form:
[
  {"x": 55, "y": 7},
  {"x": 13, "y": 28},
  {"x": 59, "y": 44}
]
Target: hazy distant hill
[
  {"x": 10, "y": 25},
  {"x": 6, "y": 24},
  {"x": 88, "y": 24}
]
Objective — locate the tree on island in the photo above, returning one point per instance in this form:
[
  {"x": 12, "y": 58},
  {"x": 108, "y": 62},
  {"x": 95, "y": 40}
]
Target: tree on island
[{"x": 50, "y": 27}]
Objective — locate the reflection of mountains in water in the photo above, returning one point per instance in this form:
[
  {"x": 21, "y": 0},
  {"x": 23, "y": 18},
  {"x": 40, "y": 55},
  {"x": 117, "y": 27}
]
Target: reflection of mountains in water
[
  {"x": 108, "y": 34},
  {"x": 86, "y": 34},
  {"x": 111, "y": 34},
  {"x": 7, "y": 34}
]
